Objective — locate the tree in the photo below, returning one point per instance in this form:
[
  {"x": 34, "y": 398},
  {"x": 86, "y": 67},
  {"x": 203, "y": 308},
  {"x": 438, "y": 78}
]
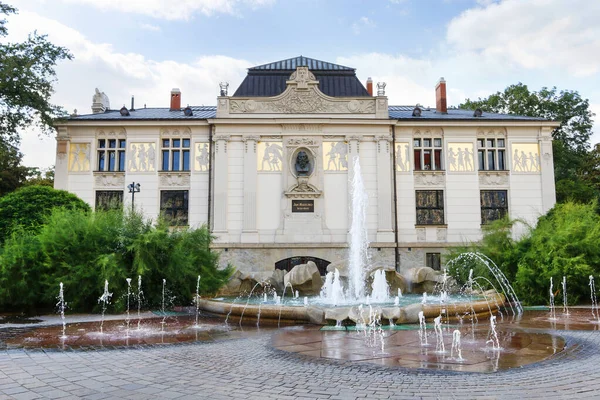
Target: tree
[
  {"x": 40, "y": 177},
  {"x": 26, "y": 82},
  {"x": 12, "y": 173},
  {"x": 28, "y": 208},
  {"x": 572, "y": 159}
]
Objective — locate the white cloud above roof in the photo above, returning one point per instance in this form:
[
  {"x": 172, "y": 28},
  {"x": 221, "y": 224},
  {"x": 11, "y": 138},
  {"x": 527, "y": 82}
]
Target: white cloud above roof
[{"x": 179, "y": 10}]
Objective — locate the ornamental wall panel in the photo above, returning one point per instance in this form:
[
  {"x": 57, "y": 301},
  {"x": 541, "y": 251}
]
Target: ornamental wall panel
[
  {"x": 269, "y": 156},
  {"x": 201, "y": 157},
  {"x": 79, "y": 157},
  {"x": 335, "y": 156},
  {"x": 141, "y": 157},
  {"x": 526, "y": 158},
  {"x": 402, "y": 157},
  {"x": 460, "y": 157}
]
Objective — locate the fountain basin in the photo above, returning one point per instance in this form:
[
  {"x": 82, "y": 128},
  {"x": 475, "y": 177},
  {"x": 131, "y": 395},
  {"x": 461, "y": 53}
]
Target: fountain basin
[{"x": 322, "y": 315}]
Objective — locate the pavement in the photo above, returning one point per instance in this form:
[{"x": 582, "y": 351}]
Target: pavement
[{"x": 246, "y": 366}]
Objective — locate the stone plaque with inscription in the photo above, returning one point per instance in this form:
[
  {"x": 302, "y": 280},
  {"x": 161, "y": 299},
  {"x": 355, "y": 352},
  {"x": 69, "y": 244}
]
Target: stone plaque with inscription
[{"x": 303, "y": 206}]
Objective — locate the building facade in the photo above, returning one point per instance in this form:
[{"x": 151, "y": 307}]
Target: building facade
[{"x": 268, "y": 168}]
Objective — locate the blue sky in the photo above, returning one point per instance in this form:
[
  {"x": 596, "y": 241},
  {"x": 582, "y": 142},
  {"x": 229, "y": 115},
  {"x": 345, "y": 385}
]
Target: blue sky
[{"x": 147, "y": 47}]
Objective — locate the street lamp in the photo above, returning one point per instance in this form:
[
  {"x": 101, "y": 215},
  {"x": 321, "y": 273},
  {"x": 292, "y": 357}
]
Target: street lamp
[{"x": 133, "y": 189}]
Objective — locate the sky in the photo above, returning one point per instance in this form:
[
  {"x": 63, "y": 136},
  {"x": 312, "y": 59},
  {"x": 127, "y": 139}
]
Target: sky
[{"x": 146, "y": 47}]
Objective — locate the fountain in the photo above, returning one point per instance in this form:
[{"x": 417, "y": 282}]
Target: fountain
[
  {"x": 380, "y": 292},
  {"x": 359, "y": 243},
  {"x": 61, "y": 309},
  {"x": 439, "y": 335},
  {"x": 593, "y": 295},
  {"x": 552, "y": 309},
  {"x": 422, "y": 329},
  {"x": 139, "y": 301},
  {"x": 565, "y": 304},
  {"x": 105, "y": 300},
  {"x": 197, "y": 300},
  {"x": 456, "y": 345},
  {"x": 493, "y": 334}
]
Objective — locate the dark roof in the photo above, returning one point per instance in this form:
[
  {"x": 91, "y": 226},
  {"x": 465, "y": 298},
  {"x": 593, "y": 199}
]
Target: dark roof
[
  {"x": 269, "y": 80},
  {"x": 405, "y": 113},
  {"x": 291, "y": 63},
  {"x": 202, "y": 112}
]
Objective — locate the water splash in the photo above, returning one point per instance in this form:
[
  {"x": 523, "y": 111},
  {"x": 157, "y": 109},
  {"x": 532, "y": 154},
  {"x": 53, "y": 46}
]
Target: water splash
[
  {"x": 456, "y": 347},
  {"x": 493, "y": 334},
  {"x": 140, "y": 294},
  {"x": 162, "y": 309},
  {"x": 61, "y": 309},
  {"x": 197, "y": 300},
  {"x": 593, "y": 295},
  {"x": 332, "y": 291},
  {"x": 565, "y": 301},
  {"x": 127, "y": 318},
  {"x": 105, "y": 300},
  {"x": 552, "y": 308},
  {"x": 358, "y": 234},
  {"x": 424, "y": 301},
  {"x": 422, "y": 329},
  {"x": 439, "y": 336},
  {"x": 380, "y": 288}
]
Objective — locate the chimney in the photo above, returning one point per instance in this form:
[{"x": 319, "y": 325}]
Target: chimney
[
  {"x": 441, "y": 105},
  {"x": 370, "y": 86},
  {"x": 175, "y": 99}
]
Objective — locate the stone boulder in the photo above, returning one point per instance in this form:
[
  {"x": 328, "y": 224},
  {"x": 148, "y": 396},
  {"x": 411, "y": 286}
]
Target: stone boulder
[
  {"x": 424, "y": 279},
  {"x": 337, "y": 313},
  {"x": 275, "y": 281},
  {"x": 395, "y": 281},
  {"x": 238, "y": 284},
  {"x": 305, "y": 278},
  {"x": 341, "y": 266},
  {"x": 410, "y": 314}
]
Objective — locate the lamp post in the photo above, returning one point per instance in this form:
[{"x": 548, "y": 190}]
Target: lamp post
[{"x": 133, "y": 189}]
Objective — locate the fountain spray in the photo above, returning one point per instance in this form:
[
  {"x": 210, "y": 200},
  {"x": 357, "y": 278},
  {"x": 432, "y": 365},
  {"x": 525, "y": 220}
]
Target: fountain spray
[
  {"x": 594, "y": 302},
  {"x": 422, "y": 329},
  {"x": 439, "y": 336},
  {"x": 552, "y": 308},
  {"x": 456, "y": 345},
  {"x": 163, "y": 306},
  {"x": 127, "y": 319},
  {"x": 565, "y": 303},
  {"x": 61, "y": 309},
  {"x": 198, "y": 300},
  {"x": 359, "y": 242},
  {"x": 139, "y": 301},
  {"x": 105, "y": 300},
  {"x": 494, "y": 335}
]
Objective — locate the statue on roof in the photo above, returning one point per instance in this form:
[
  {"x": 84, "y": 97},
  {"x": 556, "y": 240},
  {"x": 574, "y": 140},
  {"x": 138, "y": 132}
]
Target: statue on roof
[{"x": 100, "y": 102}]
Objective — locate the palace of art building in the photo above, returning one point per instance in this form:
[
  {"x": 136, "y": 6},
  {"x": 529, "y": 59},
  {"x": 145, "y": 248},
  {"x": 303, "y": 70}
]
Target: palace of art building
[{"x": 268, "y": 167}]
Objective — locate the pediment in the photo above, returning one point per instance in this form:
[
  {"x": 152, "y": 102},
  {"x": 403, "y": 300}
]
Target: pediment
[{"x": 302, "y": 96}]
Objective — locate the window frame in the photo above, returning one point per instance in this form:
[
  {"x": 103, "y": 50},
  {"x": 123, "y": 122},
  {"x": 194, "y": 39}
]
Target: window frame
[
  {"x": 485, "y": 150},
  {"x": 104, "y": 152},
  {"x": 431, "y": 147},
  {"x": 176, "y": 146},
  {"x": 432, "y": 260},
  {"x": 485, "y": 220},
  {"x": 175, "y": 219},
  {"x": 425, "y": 210},
  {"x": 104, "y": 205}
]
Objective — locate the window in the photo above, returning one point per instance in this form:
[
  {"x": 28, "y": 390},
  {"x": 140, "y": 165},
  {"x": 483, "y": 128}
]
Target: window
[
  {"x": 433, "y": 260},
  {"x": 111, "y": 154},
  {"x": 494, "y": 205},
  {"x": 109, "y": 199},
  {"x": 430, "y": 207},
  {"x": 176, "y": 154},
  {"x": 428, "y": 154},
  {"x": 491, "y": 153},
  {"x": 174, "y": 206}
]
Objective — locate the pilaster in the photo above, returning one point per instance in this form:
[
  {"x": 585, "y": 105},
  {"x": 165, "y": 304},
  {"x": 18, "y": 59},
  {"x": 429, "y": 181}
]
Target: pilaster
[
  {"x": 249, "y": 231},
  {"x": 61, "y": 169},
  {"x": 385, "y": 231},
  {"x": 221, "y": 179},
  {"x": 547, "y": 169}
]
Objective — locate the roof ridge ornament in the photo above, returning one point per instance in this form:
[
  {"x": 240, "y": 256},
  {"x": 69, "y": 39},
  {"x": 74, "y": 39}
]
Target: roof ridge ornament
[{"x": 302, "y": 78}]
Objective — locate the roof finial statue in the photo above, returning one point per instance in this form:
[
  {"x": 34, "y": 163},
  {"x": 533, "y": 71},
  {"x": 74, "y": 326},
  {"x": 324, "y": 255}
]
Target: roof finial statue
[
  {"x": 100, "y": 102},
  {"x": 224, "y": 86},
  {"x": 381, "y": 88}
]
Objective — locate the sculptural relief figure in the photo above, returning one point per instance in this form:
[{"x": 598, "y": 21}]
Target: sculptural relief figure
[
  {"x": 336, "y": 157},
  {"x": 75, "y": 163},
  {"x": 151, "y": 154},
  {"x": 526, "y": 157},
  {"x": 132, "y": 159},
  {"x": 272, "y": 157},
  {"x": 80, "y": 157},
  {"x": 142, "y": 158},
  {"x": 460, "y": 158},
  {"x": 202, "y": 157},
  {"x": 302, "y": 164}
]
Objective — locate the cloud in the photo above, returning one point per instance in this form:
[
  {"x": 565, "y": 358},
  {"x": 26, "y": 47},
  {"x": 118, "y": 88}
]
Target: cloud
[
  {"x": 119, "y": 75},
  {"x": 180, "y": 10},
  {"x": 150, "y": 27},
  {"x": 532, "y": 34},
  {"x": 361, "y": 24}
]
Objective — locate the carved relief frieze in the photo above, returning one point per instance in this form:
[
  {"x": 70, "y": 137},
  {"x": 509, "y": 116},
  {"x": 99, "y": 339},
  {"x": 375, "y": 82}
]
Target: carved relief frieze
[
  {"x": 335, "y": 156},
  {"x": 202, "y": 159},
  {"x": 302, "y": 127},
  {"x": 109, "y": 180},
  {"x": 441, "y": 234},
  {"x": 269, "y": 156},
  {"x": 79, "y": 157},
  {"x": 402, "y": 157},
  {"x": 485, "y": 132},
  {"x": 111, "y": 133},
  {"x": 302, "y": 142},
  {"x": 421, "y": 234},
  {"x": 174, "y": 179},
  {"x": 176, "y": 132},
  {"x": 429, "y": 179},
  {"x": 428, "y": 132},
  {"x": 142, "y": 157},
  {"x": 526, "y": 158},
  {"x": 491, "y": 178}
]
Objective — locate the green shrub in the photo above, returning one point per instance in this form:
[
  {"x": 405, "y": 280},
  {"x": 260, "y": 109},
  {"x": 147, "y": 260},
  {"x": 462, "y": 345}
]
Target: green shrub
[
  {"x": 30, "y": 206},
  {"x": 83, "y": 249}
]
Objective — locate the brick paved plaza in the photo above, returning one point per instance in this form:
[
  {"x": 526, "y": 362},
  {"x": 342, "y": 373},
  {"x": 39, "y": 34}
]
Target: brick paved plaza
[{"x": 246, "y": 366}]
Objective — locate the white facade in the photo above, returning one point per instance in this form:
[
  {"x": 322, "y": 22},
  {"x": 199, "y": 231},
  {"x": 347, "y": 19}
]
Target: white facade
[{"x": 242, "y": 168}]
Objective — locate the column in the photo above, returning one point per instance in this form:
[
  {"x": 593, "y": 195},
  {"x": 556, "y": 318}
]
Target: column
[
  {"x": 249, "y": 232},
  {"x": 221, "y": 179},
  {"x": 385, "y": 232},
  {"x": 547, "y": 167},
  {"x": 61, "y": 170}
]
